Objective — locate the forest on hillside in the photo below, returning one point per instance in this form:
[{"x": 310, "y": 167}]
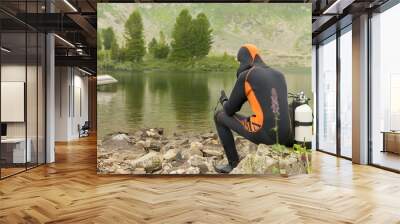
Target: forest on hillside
[{"x": 196, "y": 38}]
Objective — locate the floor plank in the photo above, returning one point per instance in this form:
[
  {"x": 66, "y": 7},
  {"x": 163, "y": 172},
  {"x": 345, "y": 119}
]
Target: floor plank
[{"x": 70, "y": 191}]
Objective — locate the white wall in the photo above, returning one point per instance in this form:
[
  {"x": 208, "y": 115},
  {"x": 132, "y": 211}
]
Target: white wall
[
  {"x": 62, "y": 82},
  {"x": 12, "y": 73},
  {"x": 80, "y": 110},
  {"x": 71, "y": 87},
  {"x": 33, "y": 126}
]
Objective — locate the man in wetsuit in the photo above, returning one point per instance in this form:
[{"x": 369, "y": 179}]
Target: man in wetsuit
[{"x": 265, "y": 90}]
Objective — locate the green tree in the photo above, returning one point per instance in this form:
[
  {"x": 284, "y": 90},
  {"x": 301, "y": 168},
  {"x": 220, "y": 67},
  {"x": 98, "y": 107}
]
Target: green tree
[
  {"x": 162, "y": 39},
  {"x": 115, "y": 51},
  {"x": 108, "y": 38},
  {"x": 201, "y": 36},
  {"x": 100, "y": 55},
  {"x": 182, "y": 38},
  {"x": 99, "y": 41},
  {"x": 135, "y": 46},
  {"x": 152, "y": 46},
  {"x": 162, "y": 49}
]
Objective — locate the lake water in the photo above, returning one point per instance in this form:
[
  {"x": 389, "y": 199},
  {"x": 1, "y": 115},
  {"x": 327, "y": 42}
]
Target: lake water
[{"x": 174, "y": 101}]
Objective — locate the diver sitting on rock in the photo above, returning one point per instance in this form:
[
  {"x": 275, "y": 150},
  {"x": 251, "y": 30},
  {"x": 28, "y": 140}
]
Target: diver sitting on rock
[{"x": 265, "y": 90}]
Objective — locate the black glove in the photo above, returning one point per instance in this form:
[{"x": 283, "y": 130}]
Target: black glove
[{"x": 223, "y": 97}]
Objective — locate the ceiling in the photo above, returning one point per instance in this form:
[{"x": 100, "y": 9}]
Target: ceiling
[
  {"x": 74, "y": 22},
  {"x": 332, "y": 15}
]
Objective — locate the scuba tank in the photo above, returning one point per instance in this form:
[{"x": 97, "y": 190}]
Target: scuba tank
[{"x": 301, "y": 116}]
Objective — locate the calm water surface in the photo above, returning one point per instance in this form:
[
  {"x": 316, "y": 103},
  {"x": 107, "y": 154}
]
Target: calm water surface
[{"x": 174, "y": 101}]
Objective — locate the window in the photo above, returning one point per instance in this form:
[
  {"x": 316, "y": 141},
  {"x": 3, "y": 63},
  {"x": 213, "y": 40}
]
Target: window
[
  {"x": 385, "y": 89},
  {"x": 346, "y": 92},
  {"x": 22, "y": 77},
  {"x": 327, "y": 95}
]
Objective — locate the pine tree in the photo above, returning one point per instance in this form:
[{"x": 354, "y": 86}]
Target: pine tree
[
  {"x": 162, "y": 48},
  {"x": 100, "y": 55},
  {"x": 152, "y": 46},
  {"x": 135, "y": 46},
  {"x": 201, "y": 34},
  {"x": 108, "y": 38},
  {"x": 115, "y": 51},
  {"x": 181, "y": 34},
  {"x": 99, "y": 41},
  {"x": 162, "y": 38}
]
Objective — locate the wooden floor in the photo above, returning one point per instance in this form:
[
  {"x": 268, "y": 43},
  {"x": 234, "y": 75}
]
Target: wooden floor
[
  {"x": 5, "y": 172},
  {"x": 70, "y": 191},
  {"x": 387, "y": 159}
]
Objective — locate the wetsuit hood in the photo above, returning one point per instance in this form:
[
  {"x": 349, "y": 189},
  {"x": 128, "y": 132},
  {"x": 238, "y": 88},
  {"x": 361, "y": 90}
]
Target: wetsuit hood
[{"x": 247, "y": 56}]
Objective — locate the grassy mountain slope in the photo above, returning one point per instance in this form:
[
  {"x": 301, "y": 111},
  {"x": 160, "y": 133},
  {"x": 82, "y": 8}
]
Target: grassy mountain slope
[{"x": 281, "y": 31}]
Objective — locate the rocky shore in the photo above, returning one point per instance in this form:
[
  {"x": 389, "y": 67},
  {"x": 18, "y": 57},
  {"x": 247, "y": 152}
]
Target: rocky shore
[{"x": 149, "y": 151}]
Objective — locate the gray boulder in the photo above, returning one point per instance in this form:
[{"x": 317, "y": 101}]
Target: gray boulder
[
  {"x": 185, "y": 154},
  {"x": 150, "y": 162},
  {"x": 204, "y": 164},
  {"x": 117, "y": 141},
  {"x": 196, "y": 146},
  {"x": 170, "y": 154},
  {"x": 213, "y": 150}
]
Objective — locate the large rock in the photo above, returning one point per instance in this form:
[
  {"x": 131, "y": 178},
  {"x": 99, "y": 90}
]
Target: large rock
[
  {"x": 245, "y": 148},
  {"x": 117, "y": 141},
  {"x": 152, "y": 144},
  {"x": 265, "y": 160},
  {"x": 150, "y": 162},
  {"x": 186, "y": 153},
  {"x": 171, "y": 144},
  {"x": 293, "y": 165},
  {"x": 255, "y": 164},
  {"x": 196, "y": 146},
  {"x": 264, "y": 150},
  {"x": 213, "y": 150},
  {"x": 170, "y": 154},
  {"x": 120, "y": 137},
  {"x": 205, "y": 165}
]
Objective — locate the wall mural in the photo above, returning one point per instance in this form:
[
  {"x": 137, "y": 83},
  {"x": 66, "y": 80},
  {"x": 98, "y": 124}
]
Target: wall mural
[{"x": 204, "y": 88}]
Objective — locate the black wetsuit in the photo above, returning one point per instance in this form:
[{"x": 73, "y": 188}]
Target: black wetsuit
[{"x": 256, "y": 83}]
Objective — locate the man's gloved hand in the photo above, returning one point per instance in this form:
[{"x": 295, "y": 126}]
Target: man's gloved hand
[{"x": 223, "y": 97}]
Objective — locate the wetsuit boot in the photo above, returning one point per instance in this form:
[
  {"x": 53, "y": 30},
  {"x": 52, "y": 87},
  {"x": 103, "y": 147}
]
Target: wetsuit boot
[{"x": 225, "y": 168}]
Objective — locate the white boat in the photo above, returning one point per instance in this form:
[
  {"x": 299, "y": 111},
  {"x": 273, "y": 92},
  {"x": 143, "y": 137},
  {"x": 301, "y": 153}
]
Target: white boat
[{"x": 105, "y": 80}]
